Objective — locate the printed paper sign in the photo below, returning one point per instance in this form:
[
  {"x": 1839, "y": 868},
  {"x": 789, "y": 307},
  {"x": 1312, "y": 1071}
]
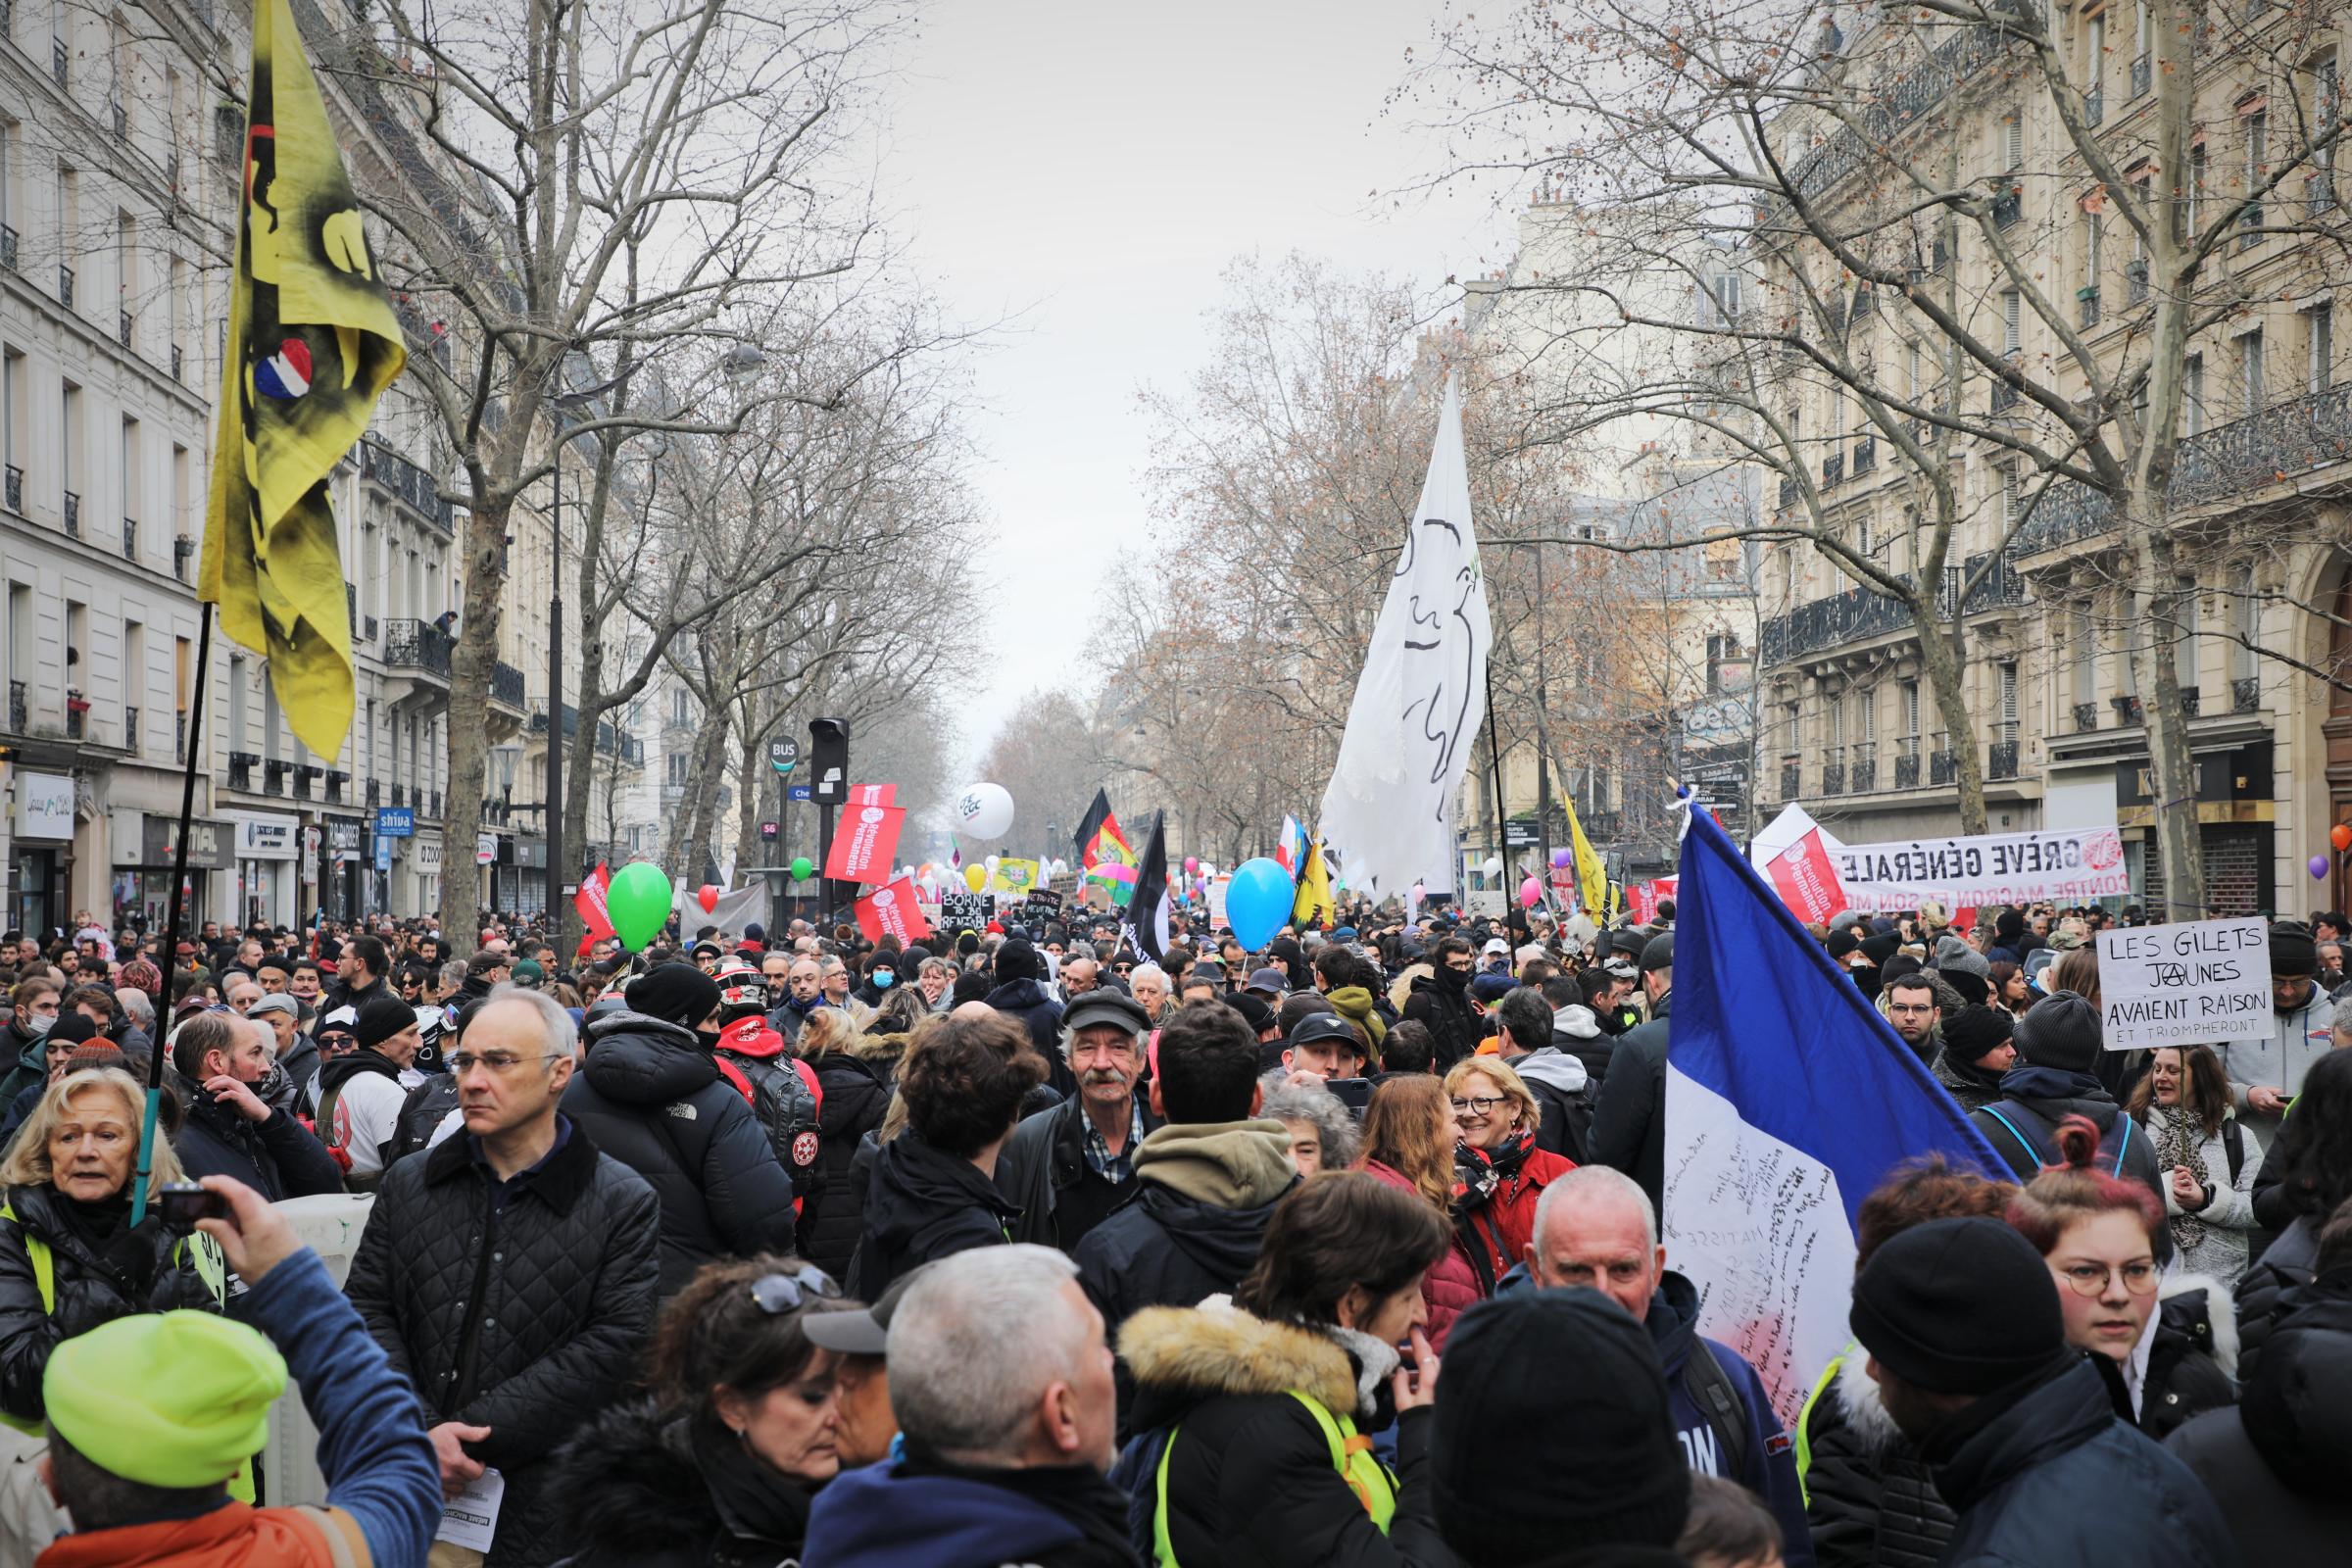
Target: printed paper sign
[
  {"x": 865, "y": 847},
  {"x": 1013, "y": 878},
  {"x": 470, "y": 1519},
  {"x": 893, "y": 910},
  {"x": 1806, "y": 878},
  {"x": 2202, "y": 982}
]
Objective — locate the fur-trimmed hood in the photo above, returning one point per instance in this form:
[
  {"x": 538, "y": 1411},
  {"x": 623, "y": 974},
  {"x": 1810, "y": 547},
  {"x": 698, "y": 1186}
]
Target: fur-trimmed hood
[
  {"x": 1865, "y": 1410},
  {"x": 1183, "y": 1356},
  {"x": 2210, "y": 1325},
  {"x": 634, "y": 1487}
]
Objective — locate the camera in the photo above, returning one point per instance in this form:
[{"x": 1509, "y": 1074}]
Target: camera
[{"x": 183, "y": 1203}]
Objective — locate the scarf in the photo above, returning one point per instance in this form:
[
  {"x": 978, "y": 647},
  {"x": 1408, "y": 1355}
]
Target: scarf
[
  {"x": 2179, "y": 1141},
  {"x": 754, "y": 1501}
]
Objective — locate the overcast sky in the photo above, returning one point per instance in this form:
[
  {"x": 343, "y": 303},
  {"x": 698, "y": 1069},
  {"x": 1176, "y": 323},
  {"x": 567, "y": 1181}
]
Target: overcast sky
[{"x": 1089, "y": 170}]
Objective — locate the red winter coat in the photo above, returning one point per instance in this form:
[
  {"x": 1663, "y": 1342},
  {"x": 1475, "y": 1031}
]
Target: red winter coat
[
  {"x": 1452, "y": 1284},
  {"x": 1507, "y": 1218}
]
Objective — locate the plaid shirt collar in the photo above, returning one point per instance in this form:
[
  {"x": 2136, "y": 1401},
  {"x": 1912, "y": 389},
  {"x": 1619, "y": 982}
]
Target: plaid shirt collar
[{"x": 1119, "y": 1168}]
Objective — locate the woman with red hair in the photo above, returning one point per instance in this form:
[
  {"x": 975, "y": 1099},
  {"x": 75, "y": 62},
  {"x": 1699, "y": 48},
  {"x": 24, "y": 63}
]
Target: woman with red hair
[{"x": 2168, "y": 1356}]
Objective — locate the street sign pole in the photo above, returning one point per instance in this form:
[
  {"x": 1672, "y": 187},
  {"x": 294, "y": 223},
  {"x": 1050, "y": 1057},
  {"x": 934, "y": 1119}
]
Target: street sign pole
[{"x": 783, "y": 755}]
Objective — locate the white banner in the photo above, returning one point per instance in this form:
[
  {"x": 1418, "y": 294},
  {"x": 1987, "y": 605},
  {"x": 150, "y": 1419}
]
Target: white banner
[
  {"x": 1421, "y": 697},
  {"x": 2203, "y": 982},
  {"x": 2057, "y": 866}
]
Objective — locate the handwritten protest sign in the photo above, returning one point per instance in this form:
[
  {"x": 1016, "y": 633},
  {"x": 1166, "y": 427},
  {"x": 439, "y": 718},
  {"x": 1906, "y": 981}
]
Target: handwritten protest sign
[
  {"x": 963, "y": 912},
  {"x": 2204, "y": 982}
]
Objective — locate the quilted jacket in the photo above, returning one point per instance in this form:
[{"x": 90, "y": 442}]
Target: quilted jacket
[
  {"x": 526, "y": 1319},
  {"x": 651, "y": 1098}
]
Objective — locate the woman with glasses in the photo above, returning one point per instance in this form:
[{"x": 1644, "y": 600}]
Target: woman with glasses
[
  {"x": 2101, "y": 1235},
  {"x": 719, "y": 1463},
  {"x": 1502, "y": 1172}
]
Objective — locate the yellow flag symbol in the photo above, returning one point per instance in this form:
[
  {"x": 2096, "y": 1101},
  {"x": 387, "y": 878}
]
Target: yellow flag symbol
[
  {"x": 1313, "y": 905},
  {"x": 312, "y": 344},
  {"x": 1592, "y": 876}
]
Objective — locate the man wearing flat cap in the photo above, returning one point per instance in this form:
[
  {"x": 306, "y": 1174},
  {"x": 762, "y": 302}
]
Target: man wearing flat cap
[{"x": 1069, "y": 1165}]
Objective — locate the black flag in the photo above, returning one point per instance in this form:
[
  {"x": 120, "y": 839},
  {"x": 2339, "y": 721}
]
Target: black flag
[{"x": 1147, "y": 911}]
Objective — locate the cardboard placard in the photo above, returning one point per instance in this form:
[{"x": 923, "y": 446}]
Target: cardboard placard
[{"x": 2201, "y": 982}]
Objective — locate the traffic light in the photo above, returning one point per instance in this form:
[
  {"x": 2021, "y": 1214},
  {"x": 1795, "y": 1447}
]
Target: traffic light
[{"x": 829, "y": 761}]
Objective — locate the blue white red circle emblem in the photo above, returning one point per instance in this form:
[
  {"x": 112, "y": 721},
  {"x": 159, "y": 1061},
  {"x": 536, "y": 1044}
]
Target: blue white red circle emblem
[{"x": 287, "y": 373}]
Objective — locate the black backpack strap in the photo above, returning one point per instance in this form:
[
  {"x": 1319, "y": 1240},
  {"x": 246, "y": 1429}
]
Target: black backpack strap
[
  {"x": 2010, "y": 1114},
  {"x": 2233, "y": 1143},
  {"x": 1710, "y": 1389}
]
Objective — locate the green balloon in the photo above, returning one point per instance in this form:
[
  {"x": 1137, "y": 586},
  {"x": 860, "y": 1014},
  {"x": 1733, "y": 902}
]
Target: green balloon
[
  {"x": 803, "y": 868},
  {"x": 638, "y": 903}
]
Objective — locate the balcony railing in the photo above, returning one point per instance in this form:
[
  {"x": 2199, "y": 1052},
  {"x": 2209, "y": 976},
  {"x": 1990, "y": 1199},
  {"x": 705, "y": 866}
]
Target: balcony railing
[
  {"x": 375, "y": 792},
  {"x": 1790, "y": 491},
  {"x": 418, "y": 644},
  {"x": 65, "y": 285},
  {"x": 2094, "y": 107},
  {"x": 1863, "y": 776},
  {"x": 2245, "y": 694},
  {"x": 1792, "y": 780},
  {"x": 2319, "y": 191},
  {"x": 408, "y": 483},
  {"x": 131, "y": 538},
  {"x": 72, "y": 516},
  {"x": 274, "y": 777},
  {"x": 2139, "y": 76},
  {"x": 76, "y": 718},
  {"x": 1880, "y": 118},
  {"x": 178, "y": 361},
  {"x": 1866, "y": 455},
  {"x": 2008, "y": 206},
  {"x": 399, "y": 794},
  {"x": 15, "y": 489},
  {"x": 2127, "y": 709},
  {"x": 2189, "y": 702},
  {"x": 2087, "y": 718},
  {"x": 180, "y": 736},
  {"x": 1864, "y": 304},
  {"x": 2249, "y": 226},
  {"x": 183, "y": 549},
  {"x": 2000, "y": 759},
  {"x": 2087, "y": 305},
  {"x": 124, "y": 326},
  {"x": 240, "y": 770},
  {"x": 1859, "y": 614},
  {"x": 8, "y": 247},
  {"x": 61, "y": 62},
  {"x": 1833, "y": 778},
  {"x": 1906, "y": 770},
  {"x": 1942, "y": 768},
  {"x": 1833, "y": 470},
  {"x": 19, "y": 717},
  {"x": 2003, "y": 397},
  {"x": 2135, "y": 281},
  {"x": 335, "y": 786},
  {"x": 507, "y": 685}
]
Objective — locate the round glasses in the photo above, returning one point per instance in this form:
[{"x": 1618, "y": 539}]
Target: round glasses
[{"x": 2090, "y": 1279}]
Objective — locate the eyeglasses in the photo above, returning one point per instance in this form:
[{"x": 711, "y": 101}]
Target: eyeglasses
[
  {"x": 1122, "y": 968},
  {"x": 779, "y": 1294},
  {"x": 2090, "y": 1279},
  {"x": 500, "y": 1063},
  {"x": 1477, "y": 1105}
]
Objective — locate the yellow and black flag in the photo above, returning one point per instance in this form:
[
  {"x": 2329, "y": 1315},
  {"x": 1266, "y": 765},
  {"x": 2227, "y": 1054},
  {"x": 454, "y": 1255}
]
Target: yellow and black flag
[{"x": 312, "y": 344}]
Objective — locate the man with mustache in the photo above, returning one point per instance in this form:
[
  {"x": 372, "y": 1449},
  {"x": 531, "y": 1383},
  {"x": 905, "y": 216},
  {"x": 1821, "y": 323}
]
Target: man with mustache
[{"x": 1072, "y": 1164}]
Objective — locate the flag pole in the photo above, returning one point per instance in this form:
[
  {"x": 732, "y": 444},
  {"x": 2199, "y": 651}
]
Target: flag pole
[
  {"x": 1514, "y": 918},
  {"x": 173, "y": 914}
]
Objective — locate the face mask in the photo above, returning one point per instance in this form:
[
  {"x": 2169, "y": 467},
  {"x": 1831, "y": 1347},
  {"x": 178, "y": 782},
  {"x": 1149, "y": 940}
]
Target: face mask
[
  {"x": 884, "y": 979},
  {"x": 41, "y": 1022}
]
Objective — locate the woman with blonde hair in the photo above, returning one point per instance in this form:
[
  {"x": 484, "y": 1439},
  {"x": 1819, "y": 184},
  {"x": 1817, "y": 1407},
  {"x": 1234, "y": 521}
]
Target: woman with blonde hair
[
  {"x": 853, "y": 1095},
  {"x": 1408, "y": 1143},
  {"x": 1502, "y": 1172},
  {"x": 69, "y": 1258}
]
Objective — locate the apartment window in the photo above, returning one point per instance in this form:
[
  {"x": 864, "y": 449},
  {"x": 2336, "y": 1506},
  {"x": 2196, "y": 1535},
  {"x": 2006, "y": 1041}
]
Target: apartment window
[
  {"x": 2245, "y": 612},
  {"x": 2013, "y": 321},
  {"x": 2086, "y": 652},
  {"x": 2250, "y": 381},
  {"x": 2005, "y": 675},
  {"x": 2184, "y": 624},
  {"x": 2094, "y": 248},
  {"x": 2325, "y": 106},
  {"x": 2134, "y": 615},
  {"x": 68, "y": 215},
  {"x": 69, "y": 445},
  {"x": 2004, "y": 496},
  {"x": 2196, "y": 190},
  {"x": 1910, "y": 698},
  {"x": 2013, "y": 140},
  {"x": 237, "y": 738},
  {"x": 8, "y": 169},
  {"x": 677, "y": 705},
  {"x": 2318, "y": 344},
  {"x": 2094, "y": 61},
  {"x": 180, "y": 493},
  {"x": 2257, "y": 135},
  {"x": 183, "y": 654},
  {"x": 677, "y": 770},
  {"x": 2192, "y": 393}
]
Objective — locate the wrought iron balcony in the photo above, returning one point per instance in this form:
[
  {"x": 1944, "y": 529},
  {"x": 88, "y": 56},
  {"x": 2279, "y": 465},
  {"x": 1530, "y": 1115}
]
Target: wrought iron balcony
[
  {"x": 1833, "y": 470},
  {"x": 1789, "y": 494},
  {"x": 1863, "y": 776},
  {"x": 435, "y": 810},
  {"x": 1859, "y": 614},
  {"x": 2003, "y": 397},
  {"x": 274, "y": 777},
  {"x": 2188, "y": 701},
  {"x": 8, "y": 247},
  {"x": 335, "y": 786},
  {"x": 2249, "y": 226},
  {"x": 2139, "y": 76},
  {"x": 400, "y": 792},
  {"x": 2087, "y": 305},
  {"x": 2135, "y": 281},
  {"x": 1880, "y": 118},
  {"x": 2319, "y": 191},
  {"x": 2000, "y": 760},
  {"x": 1833, "y": 778},
  {"x": 15, "y": 489},
  {"x": 183, "y": 549},
  {"x": 1865, "y": 302},
  {"x": 19, "y": 716},
  {"x": 72, "y": 516},
  {"x": 507, "y": 685},
  {"x": 179, "y": 361},
  {"x": 1792, "y": 780},
  {"x": 61, "y": 62},
  {"x": 2094, "y": 107},
  {"x": 2087, "y": 718},
  {"x": 409, "y": 484},
  {"x": 375, "y": 792},
  {"x": 1866, "y": 455},
  {"x": 2008, "y": 206},
  {"x": 1942, "y": 768},
  {"x": 180, "y": 736},
  {"x": 418, "y": 644},
  {"x": 2127, "y": 709},
  {"x": 240, "y": 770},
  {"x": 1907, "y": 772},
  {"x": 2245, "y": 694},
  {"x": 130, "y": 728}
]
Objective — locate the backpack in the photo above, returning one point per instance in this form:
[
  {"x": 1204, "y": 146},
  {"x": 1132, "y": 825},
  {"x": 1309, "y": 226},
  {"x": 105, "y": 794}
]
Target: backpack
[
  {"x": 1710, "y": 1389},
  {"x": 1149, "y": 1453},
  {"x": 788, "y": 1107},
  {"x": 2044, "y": 1153}
]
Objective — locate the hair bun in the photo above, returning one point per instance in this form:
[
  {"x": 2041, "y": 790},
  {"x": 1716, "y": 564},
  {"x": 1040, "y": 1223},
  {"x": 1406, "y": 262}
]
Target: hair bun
[{"x": 2078, "y": 1143}]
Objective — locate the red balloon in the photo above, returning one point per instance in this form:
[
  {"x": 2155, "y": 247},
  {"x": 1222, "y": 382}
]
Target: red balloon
[
  {"x": 2340, "y": 836},
  {"x": 708, "y": 897}
]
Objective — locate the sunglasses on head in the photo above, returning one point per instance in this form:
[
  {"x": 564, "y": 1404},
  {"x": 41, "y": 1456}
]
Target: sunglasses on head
[{"x": 778, "y": 1293}]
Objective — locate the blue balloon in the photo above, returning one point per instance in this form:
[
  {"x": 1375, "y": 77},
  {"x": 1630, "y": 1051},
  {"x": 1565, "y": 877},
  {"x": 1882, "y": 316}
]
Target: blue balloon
[{"x": 1257, "y": 901}]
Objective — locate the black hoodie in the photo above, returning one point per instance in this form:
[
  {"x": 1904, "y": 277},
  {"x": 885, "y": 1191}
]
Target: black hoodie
[
  {"x": 923, "y": 1204},
  {"x": 650, "y": 1096}
]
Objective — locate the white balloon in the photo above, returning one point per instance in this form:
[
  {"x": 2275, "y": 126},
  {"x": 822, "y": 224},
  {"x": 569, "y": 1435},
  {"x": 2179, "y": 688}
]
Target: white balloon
[
  {"x": 992, "y": 863},
  {"x": 1494, "y": 866},
  {"x": 985, "y": 810}
]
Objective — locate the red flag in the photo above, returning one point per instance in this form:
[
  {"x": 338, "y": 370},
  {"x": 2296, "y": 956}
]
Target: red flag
[
  {"x": 590, "y": 902},
  {"x": 873, "y": 795},
  {"x": 1643, "y": 896},
  {"x": 863, "y": 849},
  {"x": 1807, "y": 879},
  {"x": 893, "y": 910}
]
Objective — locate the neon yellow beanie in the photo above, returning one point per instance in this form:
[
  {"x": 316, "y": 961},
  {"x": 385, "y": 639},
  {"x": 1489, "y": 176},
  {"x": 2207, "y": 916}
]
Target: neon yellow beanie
[{"x": 169, "y": 1400}]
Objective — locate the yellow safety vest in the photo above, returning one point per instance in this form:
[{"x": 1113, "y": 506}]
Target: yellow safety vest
[{"x": 1352, "y": 1456}]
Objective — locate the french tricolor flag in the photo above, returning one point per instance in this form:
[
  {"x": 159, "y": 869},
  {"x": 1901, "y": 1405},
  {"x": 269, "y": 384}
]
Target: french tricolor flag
[
  {"x": 1291, "y": 845},
  {"x": 1788, "y": 1099}
]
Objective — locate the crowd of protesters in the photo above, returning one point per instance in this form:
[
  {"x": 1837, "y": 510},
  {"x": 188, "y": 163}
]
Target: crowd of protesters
[{"x": 1020, "y": 1247}]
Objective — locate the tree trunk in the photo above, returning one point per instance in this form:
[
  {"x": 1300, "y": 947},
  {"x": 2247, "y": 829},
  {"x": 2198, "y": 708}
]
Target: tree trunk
[
  {"x": 750, "y": 776},
  {"x": 1942, "y": 656},
  {"x": 2180, "y": 854},
  {"x": 471, "y": 663},
  {"x": 709, "y": 771}
]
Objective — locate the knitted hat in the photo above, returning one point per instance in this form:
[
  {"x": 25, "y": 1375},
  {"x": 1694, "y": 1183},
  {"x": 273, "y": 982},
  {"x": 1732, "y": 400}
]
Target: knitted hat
[
  {"x": 2293, "y": 952},
  {"x": 674, "y": 993},
  {"x": 2062, "y": 1031},
  {"x": 1955, "y": 957},
  {"x": 2009, "y": 926},
  {"x": 381, "y": 1018},
  {"x": 1880, "y": 945},
  {"x": 1974, "y": 990},
  {"x": 1252, "y": 1007},
  {"x": 1016, "y": 959},
  {"x": 167, "y": 1400},
  {"x": 1493, "y": 988},
  {"x": 1841, "y": 945},
  {"x": 1975, "y": 1030},
  {"x": 70, "y": 1029},
  {"x": 1573, "y": 1366},
  {"x": 1956, "y": 1306}
]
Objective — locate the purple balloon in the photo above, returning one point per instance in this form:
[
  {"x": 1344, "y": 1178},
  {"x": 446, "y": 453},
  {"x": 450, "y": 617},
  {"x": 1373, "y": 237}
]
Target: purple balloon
[
  {"x": 2318, "y": 866},
  {"x": 1563, "y": 856}
]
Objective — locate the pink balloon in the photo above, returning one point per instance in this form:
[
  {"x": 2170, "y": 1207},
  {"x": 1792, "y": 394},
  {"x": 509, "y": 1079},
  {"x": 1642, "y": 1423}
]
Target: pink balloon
[{"x": 1531, "y": 893}]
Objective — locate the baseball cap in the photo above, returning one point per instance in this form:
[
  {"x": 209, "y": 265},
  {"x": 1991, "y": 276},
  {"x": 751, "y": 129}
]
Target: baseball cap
[
  {"x": 864, "y": 1331},
  {"x": 1270, "y": 981},
  {"x": 1497, "y": 947},
  {"x": 1321, "y": 1026}
]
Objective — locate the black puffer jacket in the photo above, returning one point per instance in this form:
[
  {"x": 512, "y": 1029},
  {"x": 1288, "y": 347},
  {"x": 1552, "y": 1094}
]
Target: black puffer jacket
[
  {"x": 2263, "y": 1289},
  {"x": 1870, "y": 1501},
  {"x": 101, "y": 1274},
  {"x": 1028, "y": 1004},
  {"x": 652, "y": 1491},
  {"x": 2047, "y": 1474},
  {"x": 1442, "y": 1006},
  {"x": 526, "y": 1319},
  {"x": 923, "y": 1204},
  {"x": 1250, "y": 1482},
  {"x": 833, "y": 1218},
  {"x": 1629, "y": 1116},
  {"x": 2277, "y": 1463},
  {"x": 2190, "y": 1356},
  {"x": 650, "y": 1096}
]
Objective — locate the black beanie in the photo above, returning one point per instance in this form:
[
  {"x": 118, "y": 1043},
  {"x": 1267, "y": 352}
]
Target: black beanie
[
  {"x": 2062, "y": 1031},
  {"x": 674, "y": 993},
  {"x": 70, "y": 1029},
  {"x": 1016, "y": 959},
  {"x": 1956, "y": 1306},
  {"x": 1975, "y": 989},
  {"x": 1972, "y": 1031},
  {"x": 1573, "y": 1365},
  {"x": 1880, "y": 946},
  {"x": 1841, "y": 945},
  {"x": 2008, "y": 925},
  {"x": 2293, "y": 951},
  {"x": 381, "y": 1018}
]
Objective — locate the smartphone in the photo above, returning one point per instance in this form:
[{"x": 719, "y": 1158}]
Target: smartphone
[
  {"x": 183, "y": 1203},
  {"x": 1354, "y": 1093}
]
